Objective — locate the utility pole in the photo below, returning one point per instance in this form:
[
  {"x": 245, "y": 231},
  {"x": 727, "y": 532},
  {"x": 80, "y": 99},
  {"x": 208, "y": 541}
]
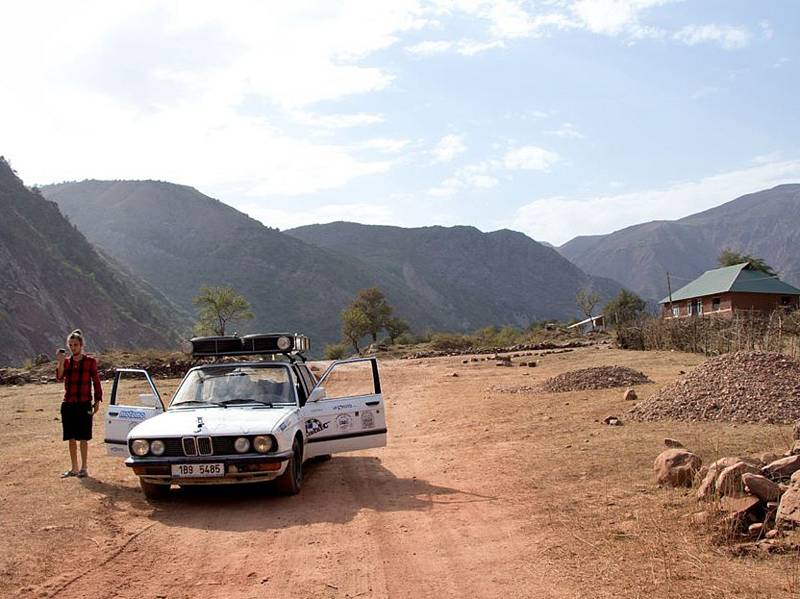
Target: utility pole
[{"x": 669, "y": 288}]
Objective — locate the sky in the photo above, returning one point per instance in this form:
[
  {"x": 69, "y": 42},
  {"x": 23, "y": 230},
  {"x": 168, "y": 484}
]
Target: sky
[{"x": 556, "y": 118}]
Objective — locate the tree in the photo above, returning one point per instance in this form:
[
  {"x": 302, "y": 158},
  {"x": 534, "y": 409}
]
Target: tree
[
  {"x": 355, "y": 325},
  {"x": 729, "y": 258},
  {"x": 219, "y": 307},
  {"x": 395, "y": 327},
  {"x": 625, "y": 307},
  {"x": 372, "y": 304},
  {"x": 587, "y": 300}
]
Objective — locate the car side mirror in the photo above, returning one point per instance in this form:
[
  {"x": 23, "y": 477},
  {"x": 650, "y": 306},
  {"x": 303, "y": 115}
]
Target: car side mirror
[
  {"x": 149, "y": 400},
  {"x": 317, "y": 393}
]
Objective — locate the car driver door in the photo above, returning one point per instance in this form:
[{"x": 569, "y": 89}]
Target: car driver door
[
  {"x": 345, "y": 409},
  {"x": 134, "y": 399}
]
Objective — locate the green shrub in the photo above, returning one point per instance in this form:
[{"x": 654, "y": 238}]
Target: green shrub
[
  {"x": 336, "y": 351},
  {"x": 450, "y": 342}
]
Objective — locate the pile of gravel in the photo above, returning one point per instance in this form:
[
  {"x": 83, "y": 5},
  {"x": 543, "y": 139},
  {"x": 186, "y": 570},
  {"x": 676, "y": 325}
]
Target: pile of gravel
[
  {"x": 599, "y": 377},
  {"x": 735, "y": 387}
]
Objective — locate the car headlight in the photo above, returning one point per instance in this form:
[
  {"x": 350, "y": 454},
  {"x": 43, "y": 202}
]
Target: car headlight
[
  {"x": 242, "y": 444},
  {"x": 140, "y": 447},
  {"x": 157, "y": 447},
  {"x": 284, "y": 343},
  {"x": 262, "y": 444}
]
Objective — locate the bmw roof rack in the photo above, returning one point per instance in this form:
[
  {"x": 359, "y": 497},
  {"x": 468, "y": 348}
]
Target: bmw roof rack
[{"x": 290, "y": 345}]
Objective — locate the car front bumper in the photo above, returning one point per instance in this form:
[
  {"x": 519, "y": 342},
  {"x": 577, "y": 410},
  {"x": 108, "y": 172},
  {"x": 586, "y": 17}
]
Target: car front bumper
[{"x": 238, "y": 469}]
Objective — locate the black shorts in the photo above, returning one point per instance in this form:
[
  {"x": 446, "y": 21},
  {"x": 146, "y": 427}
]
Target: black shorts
[{"x": 76, "y": 420}]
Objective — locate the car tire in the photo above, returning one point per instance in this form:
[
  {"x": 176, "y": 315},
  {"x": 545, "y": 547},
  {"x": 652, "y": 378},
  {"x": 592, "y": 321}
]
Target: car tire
[
  {"x": 154, "y": 490},
  {"x": 291, "y": 480}
]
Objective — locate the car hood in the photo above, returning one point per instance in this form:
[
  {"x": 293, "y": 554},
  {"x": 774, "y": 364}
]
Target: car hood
[{"x": 215, "y": 422}]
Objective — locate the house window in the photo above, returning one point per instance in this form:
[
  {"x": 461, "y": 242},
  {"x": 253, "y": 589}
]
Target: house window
[
  {"x": 715, "y": 303},
  {"x": 676, "y": 311},
  {"x": 786, "y": 300},
  {"x": 698, "y": 307},
  {"x": 690, "y": 308}
]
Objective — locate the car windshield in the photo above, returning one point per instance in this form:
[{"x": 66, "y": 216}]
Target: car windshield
[{"x": 231, "y": 385}]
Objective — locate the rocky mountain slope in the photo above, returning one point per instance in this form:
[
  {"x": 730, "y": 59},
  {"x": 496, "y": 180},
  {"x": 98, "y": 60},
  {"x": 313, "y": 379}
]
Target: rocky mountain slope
[
  {"x": 764, "y": 224},
  {"x": 55, "y": 281},
  {"x": 437, "y": 278},
  {"x": 179, "y": 239},
  {"x": 476, "y": 278}
]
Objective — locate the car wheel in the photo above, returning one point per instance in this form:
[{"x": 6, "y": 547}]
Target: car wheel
[
  {"x": 291, "y": 480},
  {"x": 153, "y": 490}
]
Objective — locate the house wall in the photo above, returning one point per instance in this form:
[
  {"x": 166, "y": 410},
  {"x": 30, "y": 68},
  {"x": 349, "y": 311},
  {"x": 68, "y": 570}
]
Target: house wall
[
  {"x": 764, "y": 302},
  {"x": 725, "y": 309},
  {"x": 732, "y": 302}
]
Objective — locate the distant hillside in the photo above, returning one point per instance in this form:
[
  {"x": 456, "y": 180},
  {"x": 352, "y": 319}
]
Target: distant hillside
[
  {"x": 55, "y": 281},
  {"x": 764, "y": 224},
  {"x": 179, "y": 239},
  {"x": 476, "y": 278}
]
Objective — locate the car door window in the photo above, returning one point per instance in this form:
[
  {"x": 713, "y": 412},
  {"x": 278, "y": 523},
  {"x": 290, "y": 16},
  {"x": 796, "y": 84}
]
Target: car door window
[
  {"x": 135, "y": 389},
  {"x": 354, "y": 379}
]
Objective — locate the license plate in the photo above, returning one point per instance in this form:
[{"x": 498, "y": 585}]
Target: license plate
[{"x": 198, "y": 470}]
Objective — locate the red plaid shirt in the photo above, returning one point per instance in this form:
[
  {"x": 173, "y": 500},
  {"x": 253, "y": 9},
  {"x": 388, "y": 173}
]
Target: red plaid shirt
[{"x": 79, "y": 378}]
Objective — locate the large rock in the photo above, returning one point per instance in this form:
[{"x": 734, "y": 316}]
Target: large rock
[
  {"x": 676, "y": 467},
  {"x": 788, "y": 515},
  {"x": 709, "y": 484},
  {"x": 729, "y": 482},
  {"x": 630, "y": 395},
  {"x": 761, "y": 487},
  {"x": 796, "y": 431},
  {"x": 783, "y": 468}
]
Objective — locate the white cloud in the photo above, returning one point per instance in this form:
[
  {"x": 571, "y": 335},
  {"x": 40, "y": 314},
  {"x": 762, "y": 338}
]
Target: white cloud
[
  {"x": 614, "y": 17},
  {"x": 530, "y": 158},
  {"x": 337, "y": 121},
  {"x": 430, "y": 48},
  {"x": 465, "y": 47},
  {"x": 471, "y": 176},
  {"x": 152, "y": 90},
  {"x": 567, "y": 131},
  {"x": 727, "y": 36},
  {"x": 558, "y": 219},
  {"x": 448, "y": 148},
  {"x": 383, "y": 144}
]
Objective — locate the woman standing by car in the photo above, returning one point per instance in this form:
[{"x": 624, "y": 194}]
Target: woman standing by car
[{"x": 79, "y": 373}]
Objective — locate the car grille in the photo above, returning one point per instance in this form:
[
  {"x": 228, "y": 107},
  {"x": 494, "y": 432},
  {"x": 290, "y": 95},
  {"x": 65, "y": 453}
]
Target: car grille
[{"x": 194, "y": 446}]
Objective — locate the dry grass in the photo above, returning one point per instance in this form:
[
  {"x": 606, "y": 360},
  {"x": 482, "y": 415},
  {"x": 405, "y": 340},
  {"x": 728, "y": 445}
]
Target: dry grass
[{"x": 553, "y": 495}]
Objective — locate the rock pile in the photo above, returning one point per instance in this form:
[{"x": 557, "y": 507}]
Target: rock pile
[
  {"x": 598, "y": 377},
  {"x": 736, "y": 387},
  {"x": 758, "y": 496}
]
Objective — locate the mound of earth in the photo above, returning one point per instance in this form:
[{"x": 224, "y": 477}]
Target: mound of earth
[
  {"x": 598, "y": 377},
  {"x": 735, "y": 387}
]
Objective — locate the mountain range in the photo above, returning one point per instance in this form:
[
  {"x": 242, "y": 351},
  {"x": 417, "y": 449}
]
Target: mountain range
[
  {"x": 765, "y": 224},
  {"x": 54, "y": 281},
  {"x": 437, "y": 278}
]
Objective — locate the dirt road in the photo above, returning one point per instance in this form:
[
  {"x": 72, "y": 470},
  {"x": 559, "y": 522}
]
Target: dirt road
[{"x": 480, "y": 493}]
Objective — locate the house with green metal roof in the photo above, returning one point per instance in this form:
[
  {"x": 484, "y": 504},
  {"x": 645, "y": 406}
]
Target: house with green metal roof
[{"x": 724, "y": 291}]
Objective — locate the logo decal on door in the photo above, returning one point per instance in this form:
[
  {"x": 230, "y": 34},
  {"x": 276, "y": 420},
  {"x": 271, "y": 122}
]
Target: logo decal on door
[
  {"x": 344, "y": 422},
  {"x": 367, "y": 419}
]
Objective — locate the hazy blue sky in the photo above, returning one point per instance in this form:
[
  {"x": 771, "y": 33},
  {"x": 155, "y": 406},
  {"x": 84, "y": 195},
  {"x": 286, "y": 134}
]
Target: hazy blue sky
[{"x": 556, "y": 118}]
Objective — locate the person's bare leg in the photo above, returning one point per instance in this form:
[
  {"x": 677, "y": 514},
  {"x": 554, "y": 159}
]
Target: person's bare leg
[
  {"x": 73, "y": 454},
  {"x": 84, "y": 451}
]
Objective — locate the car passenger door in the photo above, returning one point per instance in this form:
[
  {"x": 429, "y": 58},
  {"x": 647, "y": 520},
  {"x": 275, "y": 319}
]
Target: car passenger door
[
  {"x": 345, "y": 409},
  {"x": 134, "y": 399}
]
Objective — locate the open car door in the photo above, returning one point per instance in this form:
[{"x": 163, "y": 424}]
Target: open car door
[
  {"x": 134, "y": 399},
  {"x": 344, "y": 411}
]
